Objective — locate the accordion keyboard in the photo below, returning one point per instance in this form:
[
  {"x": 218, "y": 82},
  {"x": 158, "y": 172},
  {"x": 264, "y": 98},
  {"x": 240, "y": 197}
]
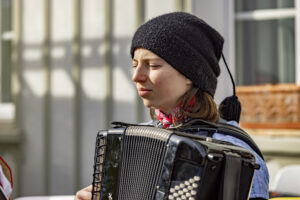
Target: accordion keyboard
[{"x": 186, "y": 190}]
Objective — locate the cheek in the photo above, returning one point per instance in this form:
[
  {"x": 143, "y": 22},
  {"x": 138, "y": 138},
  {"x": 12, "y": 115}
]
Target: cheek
[
  {"x": 161, "y": 81},
  {"x": 167, "y": 89},
  {"x": 156, "y": 78}
]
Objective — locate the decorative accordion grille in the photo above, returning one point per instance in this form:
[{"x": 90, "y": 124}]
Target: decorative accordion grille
[{"x": 142, "y": 157}]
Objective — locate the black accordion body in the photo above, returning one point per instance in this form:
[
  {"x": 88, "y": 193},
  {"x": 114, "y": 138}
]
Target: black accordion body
[{"x": 145, "y": 163}]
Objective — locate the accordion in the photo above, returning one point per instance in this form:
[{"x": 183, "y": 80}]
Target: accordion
[{"x": 138, "y": 162}]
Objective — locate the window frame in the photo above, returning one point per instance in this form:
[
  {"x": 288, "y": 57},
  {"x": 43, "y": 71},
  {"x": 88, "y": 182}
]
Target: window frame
[{"x": 276, "y": 13}]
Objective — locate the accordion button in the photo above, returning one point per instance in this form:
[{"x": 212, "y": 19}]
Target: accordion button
[
  {"x": 188, "y": 194},
  {"x": 172, "y": 190},
  {"x": 190, "y": 187},
  {"x": 182, "y": 185},
  {"x": 191, "y": 180},
  {"x": 183, "y": 197},
  {"x": 197, "y": 178},
  {"x": 180, "y": 192},
  {"x": 191, "y": 198},
  {"x": 193, "y": 192},
  {"x": 177, "y": 187},
  {"x": 185, "y": 190},
  {"x": 175, "y": 194},
  {"x": 170, "y": 197},
  {"x": 186, "y": 183},
  {"x": 195, "y": 185}
]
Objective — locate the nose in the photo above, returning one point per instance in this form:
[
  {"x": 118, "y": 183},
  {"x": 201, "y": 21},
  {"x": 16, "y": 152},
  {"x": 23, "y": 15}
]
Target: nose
[{"x": 139, "y": 74}]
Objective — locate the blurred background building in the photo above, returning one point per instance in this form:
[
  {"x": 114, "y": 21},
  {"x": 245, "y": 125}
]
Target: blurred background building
[{"x": 65, "y": 73}]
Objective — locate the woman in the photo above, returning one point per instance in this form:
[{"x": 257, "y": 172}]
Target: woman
[{"x": 175, "y": 60}]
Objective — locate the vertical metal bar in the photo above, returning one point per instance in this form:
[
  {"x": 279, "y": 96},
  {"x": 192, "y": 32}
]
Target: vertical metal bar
[
  {"x": 230, "y": 21},
  {"x": 1, "y": 49},
  {"x": 16, "y": 73},
  {"x": 140, "y": 12},
  {"x": 76, "y": 43},
  {"x": 188, "y": 6},
  {"x": 184, "y": 5},
  {"x": 47, "y": 97},
  {"x": 297, "y": 42},
  {"x": 108, "y": 15},
  {"x": 16, "y": 60},
  {"x": 179, "y": 5},
  {"x": 140, "y": 18}
]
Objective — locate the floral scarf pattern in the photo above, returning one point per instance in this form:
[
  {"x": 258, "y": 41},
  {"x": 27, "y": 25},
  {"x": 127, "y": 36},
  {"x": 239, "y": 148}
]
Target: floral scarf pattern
[{"x": 176, "y": 115}]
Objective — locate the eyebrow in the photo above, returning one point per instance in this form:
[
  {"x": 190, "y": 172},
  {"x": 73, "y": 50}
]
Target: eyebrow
[{"x": 148, "y": 59}]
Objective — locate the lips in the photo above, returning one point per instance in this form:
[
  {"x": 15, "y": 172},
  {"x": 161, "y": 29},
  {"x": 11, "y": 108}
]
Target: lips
[{"x": 143, "y": 92}]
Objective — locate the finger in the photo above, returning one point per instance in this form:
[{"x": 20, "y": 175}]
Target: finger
[
  {"x": 84, "y": 194},
  {"x": 89, "y": 188}
]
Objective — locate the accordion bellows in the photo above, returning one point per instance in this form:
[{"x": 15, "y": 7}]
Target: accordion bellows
[{"x": 145, "y": 163}]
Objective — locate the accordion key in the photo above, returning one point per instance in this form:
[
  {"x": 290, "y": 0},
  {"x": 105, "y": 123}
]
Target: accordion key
[{"x": 146, "y": 163}]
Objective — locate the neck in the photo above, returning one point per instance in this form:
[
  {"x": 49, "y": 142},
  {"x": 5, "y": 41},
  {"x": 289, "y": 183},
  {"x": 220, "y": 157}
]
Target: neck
[
  {"x": 174, "y": 117},
  {"x": 169, "y": 109}
]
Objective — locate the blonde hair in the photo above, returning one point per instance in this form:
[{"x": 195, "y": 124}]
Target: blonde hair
[{"x": 205, "y": 107}]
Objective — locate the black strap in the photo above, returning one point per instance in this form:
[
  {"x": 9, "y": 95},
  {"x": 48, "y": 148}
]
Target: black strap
[
  {"x": 231, "y": 177},
  {"x": 227, "y": 129}
]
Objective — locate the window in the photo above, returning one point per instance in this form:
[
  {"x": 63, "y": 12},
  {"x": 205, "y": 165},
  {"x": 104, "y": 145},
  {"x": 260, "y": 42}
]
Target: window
[{"x": 265, "y": 41}]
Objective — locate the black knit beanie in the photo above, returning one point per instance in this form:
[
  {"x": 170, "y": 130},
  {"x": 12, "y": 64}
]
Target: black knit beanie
[{"x": 187, "y": 43}]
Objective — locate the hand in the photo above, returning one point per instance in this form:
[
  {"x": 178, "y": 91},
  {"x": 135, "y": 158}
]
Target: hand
[{"x": 84, "y": 194}]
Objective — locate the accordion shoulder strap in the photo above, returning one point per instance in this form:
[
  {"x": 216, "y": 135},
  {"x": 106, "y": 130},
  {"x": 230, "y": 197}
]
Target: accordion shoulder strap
[{"x": 227, "y": 129}]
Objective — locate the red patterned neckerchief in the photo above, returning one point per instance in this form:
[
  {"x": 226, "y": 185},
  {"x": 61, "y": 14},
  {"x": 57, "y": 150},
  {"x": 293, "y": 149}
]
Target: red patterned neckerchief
[{"x": 175, "y": 115}]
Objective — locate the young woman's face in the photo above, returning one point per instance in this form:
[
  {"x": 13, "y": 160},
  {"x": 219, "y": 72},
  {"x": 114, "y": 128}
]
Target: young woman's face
[{"x": 158, "y": 83}]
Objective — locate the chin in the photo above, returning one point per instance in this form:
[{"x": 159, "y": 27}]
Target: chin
[{"x": 147, "y": 103}]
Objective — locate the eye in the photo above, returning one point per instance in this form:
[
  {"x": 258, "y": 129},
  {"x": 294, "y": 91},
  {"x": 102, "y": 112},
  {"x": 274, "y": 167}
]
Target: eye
[
  {"x": 134, "y": 65},
  {"x": 154, "y": 65}
]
